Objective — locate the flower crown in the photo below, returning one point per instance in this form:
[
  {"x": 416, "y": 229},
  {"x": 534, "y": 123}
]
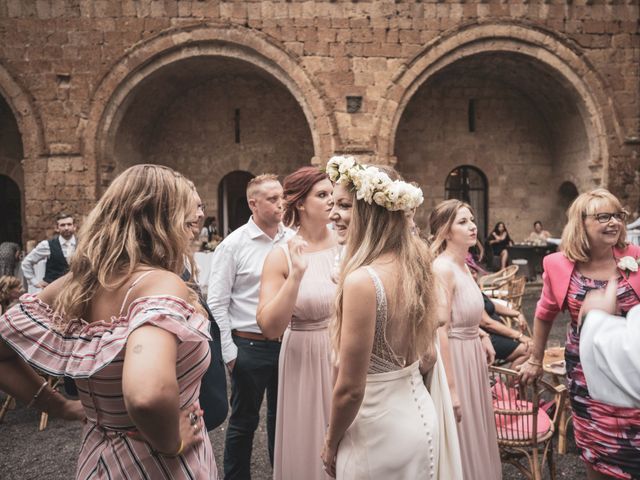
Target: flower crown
[{"x": 373, "y": 185}]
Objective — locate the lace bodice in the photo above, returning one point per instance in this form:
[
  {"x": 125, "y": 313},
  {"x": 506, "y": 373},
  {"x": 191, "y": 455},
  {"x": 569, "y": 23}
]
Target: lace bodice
[{"x": 383, "y": 358}]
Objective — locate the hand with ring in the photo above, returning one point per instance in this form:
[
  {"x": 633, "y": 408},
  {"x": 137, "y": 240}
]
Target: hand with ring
[{"x": 191, "y": 426}]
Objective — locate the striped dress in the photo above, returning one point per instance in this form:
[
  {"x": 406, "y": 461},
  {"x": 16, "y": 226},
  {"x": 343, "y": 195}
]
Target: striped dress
[{"x": 93, "y": 355}]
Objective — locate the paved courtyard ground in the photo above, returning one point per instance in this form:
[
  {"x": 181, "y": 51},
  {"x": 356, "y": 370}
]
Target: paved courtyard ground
[{"x": 27, "y": 454}]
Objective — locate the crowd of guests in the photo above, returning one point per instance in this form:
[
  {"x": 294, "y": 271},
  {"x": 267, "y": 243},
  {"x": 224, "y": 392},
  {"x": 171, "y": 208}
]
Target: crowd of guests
[{"x": 365, "y": 338}]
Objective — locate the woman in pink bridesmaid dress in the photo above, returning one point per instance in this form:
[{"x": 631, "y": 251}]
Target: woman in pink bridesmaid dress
[
  {"x": 467, "y": 348},
  {"x": 297, "y": 297}
]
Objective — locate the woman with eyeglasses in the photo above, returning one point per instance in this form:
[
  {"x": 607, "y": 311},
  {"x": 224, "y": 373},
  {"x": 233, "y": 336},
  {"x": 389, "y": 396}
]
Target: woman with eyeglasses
[{"x": 593, "y": 250}]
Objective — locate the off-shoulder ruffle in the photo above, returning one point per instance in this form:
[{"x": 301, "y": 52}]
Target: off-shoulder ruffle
[{"x": 80, "y": 349}]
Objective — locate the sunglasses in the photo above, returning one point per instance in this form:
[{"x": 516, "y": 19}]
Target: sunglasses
[{"x": 606, "y": 217}]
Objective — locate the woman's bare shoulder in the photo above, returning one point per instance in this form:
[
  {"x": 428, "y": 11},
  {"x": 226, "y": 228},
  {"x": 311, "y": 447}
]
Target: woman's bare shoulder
[
  {"x": 161, "y": 282},
  {"x": 359, "y": 282}
]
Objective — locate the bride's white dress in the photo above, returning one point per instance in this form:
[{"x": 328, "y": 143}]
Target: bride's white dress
[{"x": 399, "y": 431}]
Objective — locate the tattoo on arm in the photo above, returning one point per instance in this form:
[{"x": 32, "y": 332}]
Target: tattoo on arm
[{"x": 137, "y": 349}]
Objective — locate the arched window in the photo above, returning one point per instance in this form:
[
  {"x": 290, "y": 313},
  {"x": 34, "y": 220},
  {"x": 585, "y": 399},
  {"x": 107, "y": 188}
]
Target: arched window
[
  {"x": 233, "y": 210},
  {"x": 469, "y": 184},
  {"x": 11, "y": 216},
  {"x": 567, "y": 193}
]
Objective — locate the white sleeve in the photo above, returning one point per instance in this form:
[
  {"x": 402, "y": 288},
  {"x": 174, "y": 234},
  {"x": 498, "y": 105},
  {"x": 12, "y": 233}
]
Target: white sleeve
[
  {"x": 610, "y": 356},
  {"x": 221, "y": 279},
  {"x": 36, "y": 255}
]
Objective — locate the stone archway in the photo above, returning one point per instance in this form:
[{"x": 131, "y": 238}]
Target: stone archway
[
  {"x": 20, "y": 148},
  {"x": 233, "y": 210},
  {"x": 10, "y": 215},
  {"x": 137, "y": 89},
  {"x": 516, "y": 102}
]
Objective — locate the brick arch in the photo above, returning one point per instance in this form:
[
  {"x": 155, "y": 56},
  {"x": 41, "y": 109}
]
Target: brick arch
[
  {"x": 28, "y": 121},
  {"x": 557, "y": 54},
  {"x": 109, "y": 100}
]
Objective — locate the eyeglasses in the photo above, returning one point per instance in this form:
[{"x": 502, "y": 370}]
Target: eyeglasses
[{"x": 606, "y": 217}]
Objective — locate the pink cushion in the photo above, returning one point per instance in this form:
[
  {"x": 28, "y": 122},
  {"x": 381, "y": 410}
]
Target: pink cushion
[
  {"x": 519, "y": 427},
  {"x": 512, "y": 426}
]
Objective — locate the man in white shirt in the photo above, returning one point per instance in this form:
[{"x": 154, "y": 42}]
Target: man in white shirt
[
  {"x": 234, "y": 287},
  {"x": 610, "y": 349},
  {"x": 56, "y": 251}
]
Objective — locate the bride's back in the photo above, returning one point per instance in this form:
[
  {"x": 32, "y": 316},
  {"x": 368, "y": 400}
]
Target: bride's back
[{"x": 393, "y": 339}]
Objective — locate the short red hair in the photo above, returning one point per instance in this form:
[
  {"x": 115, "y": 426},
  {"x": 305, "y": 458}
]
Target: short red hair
[{"x": 297, "y": 186}]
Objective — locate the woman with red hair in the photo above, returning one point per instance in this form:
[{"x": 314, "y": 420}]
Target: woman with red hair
[{"x": 297, "y": 297}]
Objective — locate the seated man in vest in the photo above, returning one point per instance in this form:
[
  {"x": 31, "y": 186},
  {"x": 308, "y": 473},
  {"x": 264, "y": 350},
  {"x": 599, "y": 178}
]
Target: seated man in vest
[{"x": 56, "y": 251}]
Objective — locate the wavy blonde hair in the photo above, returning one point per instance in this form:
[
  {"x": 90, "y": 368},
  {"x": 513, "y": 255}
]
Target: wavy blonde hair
[
  {"x": 140, "y": 220},
  {"x": 440, "y": 223},
  {"x": 7, "y": 283},
  {"x": 575, "y": 243},
  {"x": 374, "y": 231}
]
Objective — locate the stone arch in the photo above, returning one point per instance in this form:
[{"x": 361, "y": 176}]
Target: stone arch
[
  {"x": 25, "y": 115},
  {"x": 21, "y": 146},
  {"x": 556, "y": 54},
  {"x": 110, "y": 99},
  {"x": 233, "y": 210},
  {"x": 10, "y": 216}
]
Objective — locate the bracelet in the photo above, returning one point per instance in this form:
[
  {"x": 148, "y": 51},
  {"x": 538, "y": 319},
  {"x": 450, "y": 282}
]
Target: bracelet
[
  {"x": 177, "y": 454},
  {"x": 534, "y": 363},
  {"x": 35, "y": 397}
]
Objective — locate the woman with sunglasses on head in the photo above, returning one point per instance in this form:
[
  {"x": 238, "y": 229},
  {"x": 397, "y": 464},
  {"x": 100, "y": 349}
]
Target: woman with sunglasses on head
[{"x": 593, "y": 250}]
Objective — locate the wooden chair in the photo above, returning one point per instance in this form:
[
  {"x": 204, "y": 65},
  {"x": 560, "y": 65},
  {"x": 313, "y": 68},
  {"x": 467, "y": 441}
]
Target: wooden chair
[
  {"x": 525, "y": 431},
  {"x": 515, "y": 292},
  {"x": 44, "y": 417},
  {"x": 493, "y": 283}
]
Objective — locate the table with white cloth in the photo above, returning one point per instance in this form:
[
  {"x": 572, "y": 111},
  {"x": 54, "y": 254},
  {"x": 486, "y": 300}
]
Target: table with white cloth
[{"x": 203, "y": 261}]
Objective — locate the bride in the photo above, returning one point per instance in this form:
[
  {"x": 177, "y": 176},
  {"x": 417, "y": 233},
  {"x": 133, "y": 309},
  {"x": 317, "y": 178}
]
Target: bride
[{"x": 384, "y": 423}]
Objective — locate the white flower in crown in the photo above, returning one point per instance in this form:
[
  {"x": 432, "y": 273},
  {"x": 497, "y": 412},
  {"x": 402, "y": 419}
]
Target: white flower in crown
[
  {"x": 346, "y": 164},
  {"x": 373, "y": 185},
  {"x": 333, "y": 168}
]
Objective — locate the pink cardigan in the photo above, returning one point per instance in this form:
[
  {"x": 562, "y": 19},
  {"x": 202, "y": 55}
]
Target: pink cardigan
[{"x": 557, "y": 276}]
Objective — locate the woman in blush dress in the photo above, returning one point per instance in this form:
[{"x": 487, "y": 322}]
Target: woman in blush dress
[
  {"x": 383, "y": 421},
  {"x": 593, "y": 250},
  {"x": 297, "y": 296},
  {"x": 466, "y": 349},
  {"x": 128, "y": 330}
]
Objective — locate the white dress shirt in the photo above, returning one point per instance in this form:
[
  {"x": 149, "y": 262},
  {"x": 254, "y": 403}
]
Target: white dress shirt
[
  {"x": 42, "y": 252},
  {"x": 610, "y": 357},
  {"x": 234, "y": 281}
]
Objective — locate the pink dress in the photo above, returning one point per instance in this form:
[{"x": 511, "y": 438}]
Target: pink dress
[
  {"x": 477, "y": 430},
  {"x": 305, "y": 375},
  {"x": 93, "y": 355}
]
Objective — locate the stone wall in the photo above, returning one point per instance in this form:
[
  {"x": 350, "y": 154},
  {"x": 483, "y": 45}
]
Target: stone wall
[
  {"x": 197, "y": 133},
  {"x": 72, "y": 71}
]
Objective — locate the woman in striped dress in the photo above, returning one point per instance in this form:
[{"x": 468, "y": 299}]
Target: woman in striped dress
[{"x": 125, "y": 327}]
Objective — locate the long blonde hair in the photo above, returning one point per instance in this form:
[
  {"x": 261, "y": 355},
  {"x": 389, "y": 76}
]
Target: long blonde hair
[
  {"x": 140, "y": 220},
  {"x": 575, "y": 243},
  {"x": 440, "y": 223},
  {"x": 374, "y": 231}
]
